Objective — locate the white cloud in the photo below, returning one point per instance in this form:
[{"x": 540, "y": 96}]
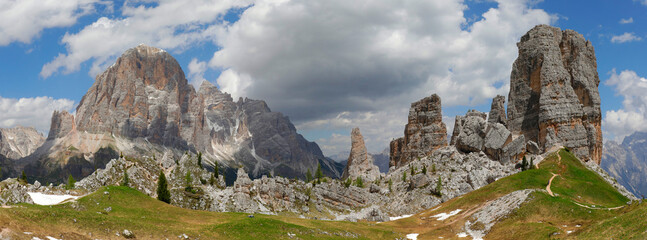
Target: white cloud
[
  {"x": 23, "y": 20},
  {"x": 31, "y": 112},
  {"x": 626, "y": 37},
  {"x": 336, "y": 62},
  {"x": 633, "y": 117},
  {"x": 173, "y": 25},
  {"x": 196, "y": 72},
  {"x": 626, "y": 21}
]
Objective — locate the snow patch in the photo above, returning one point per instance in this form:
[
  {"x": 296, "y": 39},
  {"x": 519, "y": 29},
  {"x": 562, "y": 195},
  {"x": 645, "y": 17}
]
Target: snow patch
[
  {"x": 48, "y": 199},
  {"x": 443, "y": 216},
  {"x": 462, "y": 235},
  {"x": 399, "y": 217},
  {"x": 412, "y": 236}
]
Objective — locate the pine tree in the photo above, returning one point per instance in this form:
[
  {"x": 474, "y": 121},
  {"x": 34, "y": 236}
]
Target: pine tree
[
  {"x": 424, "y": 169},
  {"x": 524, "y": 164},
  {"x": 359, "y": 182},
  {"x": 269, "y": 174},
  {"x": 200, "y": 160},
  {"x": 319, "y": 173},
  {"x": 413, "y": 172},
  {"x": 308, "y": 176},
  {"x": 126, "y": 180},
  {"x": 70, "y": 182},
  {"x": 390, "y": 185},
  {"x": 212, "y": 180},
  {"x": 439, "y": 186},
  {"x": 163, "y": 193},
  {"x": 23, "y": 177},
  {"x": 404, "y": 176},
  {"x": 189, "y": 180}
]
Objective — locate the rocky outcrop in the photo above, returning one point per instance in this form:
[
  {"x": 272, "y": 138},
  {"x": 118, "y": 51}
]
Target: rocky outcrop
[
  {"x": 360, "y": 163},
  {"x": 62, "y": 125},
  {"x": 554, "y": 95},
  {"x": 469, "y": 136},
  {"x": 627, "y": 162},
  {"x": 497, "y": 111},
  {"x": 424, "y": 132},
  {"x": 143, "y": 106},
  {"x": 19, "y": 142},
  {"x": 482, "y": 221}
]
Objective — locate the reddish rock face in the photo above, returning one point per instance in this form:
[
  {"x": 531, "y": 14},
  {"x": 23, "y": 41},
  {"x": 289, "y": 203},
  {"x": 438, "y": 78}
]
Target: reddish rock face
[
  {"x": 554, "y": 97},
  {"x": 424, "y": 132},
  {"x": 144, "y": 98},
  {"x": 144, "y": 94}
]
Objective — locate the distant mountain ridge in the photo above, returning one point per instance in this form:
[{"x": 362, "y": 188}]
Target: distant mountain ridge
[{"x": 627, "y": 162}]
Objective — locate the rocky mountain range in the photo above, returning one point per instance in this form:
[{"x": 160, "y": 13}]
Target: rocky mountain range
[
  {"x": 143, "y": 106},
  {"x": 627, "y": 162},
  {"x": 163, "y": 123},
  {"x": 19, "y": 142}
]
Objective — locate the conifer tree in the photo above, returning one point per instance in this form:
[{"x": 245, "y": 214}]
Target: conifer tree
[
  {"x": 524, "y": 164},
  {"x": 126, "y": 180},
  {"x": 319, "y": 173},
  {"x": 439, "y": 186},
  {"x": 200, "y": 160},
  {"x": 424, "y": 169},
  {"x": 23, "y": 177},
  {"x": 308, "y": 176},
  {"x": 163, "y": 193},
  {"x": 70, "y": 181}
]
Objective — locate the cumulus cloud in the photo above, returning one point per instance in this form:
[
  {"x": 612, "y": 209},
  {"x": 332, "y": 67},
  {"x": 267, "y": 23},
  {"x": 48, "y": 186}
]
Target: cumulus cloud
[
  {"x": 173, "y": 25},
  {"x": 22, "y": 20},
  {"x": 618, "y": 124},
  {"x": 626, "y": 37},
  {"x": 196, "y": 72},
  {"x": 626, "y": 21},
  {"x": 31, "y": 112},
  {"x": 336, "y": 62}
]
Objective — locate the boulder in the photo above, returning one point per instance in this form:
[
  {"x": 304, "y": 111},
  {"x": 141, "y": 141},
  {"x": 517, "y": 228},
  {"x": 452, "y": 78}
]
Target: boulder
[
  {"x": 496, "y": 138},
  {"x": 514, "y": 151},
  {"x": 471, "y": 137},
  {"x": 532, "y": 147}
]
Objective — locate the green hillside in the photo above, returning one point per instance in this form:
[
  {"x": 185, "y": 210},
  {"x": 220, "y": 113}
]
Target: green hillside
[
  {"x": 583, "y": 207},
  {"x": 148, "y": 218}
]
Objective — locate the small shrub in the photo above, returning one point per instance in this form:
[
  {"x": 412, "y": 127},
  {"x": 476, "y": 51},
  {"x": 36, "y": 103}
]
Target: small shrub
[
  {"x": 348, "y": 182},
  {"x": 424, "y": 169},
  {"x": 126, "y": 180},
  {"x": 433, "y": 168},
  {"x": 200, "y": 160},
  {"x": 70, "y": 182},
  {"x": 413, "y": 172},
  {"x": 359, "y": 182},
  {"x": 404, "y": 176},
  {"x": 390, "y": 185}
]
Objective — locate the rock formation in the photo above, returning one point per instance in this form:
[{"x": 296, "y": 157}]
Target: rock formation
[
  {"x": 497, "y": 111},
  {"x": 554, "y": 98},
  {"x": 143, "y": 106},
  {"x": 360, "y": 163},
  {"x": 19, "y": 142},
  {"x": 424, "y": 132}
]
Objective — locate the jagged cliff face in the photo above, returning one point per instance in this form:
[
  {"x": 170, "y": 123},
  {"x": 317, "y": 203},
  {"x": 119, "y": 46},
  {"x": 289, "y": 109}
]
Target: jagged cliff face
[
  {"x": 360, "y": 163},
  {"x": 144, "y": 94},
  {"x": 19, "y": 142},
  {"x": 143, "y": 106},
  {"x": 554, "y": 98},
  {"x": 424, "y": 132}
]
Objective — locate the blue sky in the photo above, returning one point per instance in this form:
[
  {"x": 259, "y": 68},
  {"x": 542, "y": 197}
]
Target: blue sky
[{"x": 329, "y": 65}]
